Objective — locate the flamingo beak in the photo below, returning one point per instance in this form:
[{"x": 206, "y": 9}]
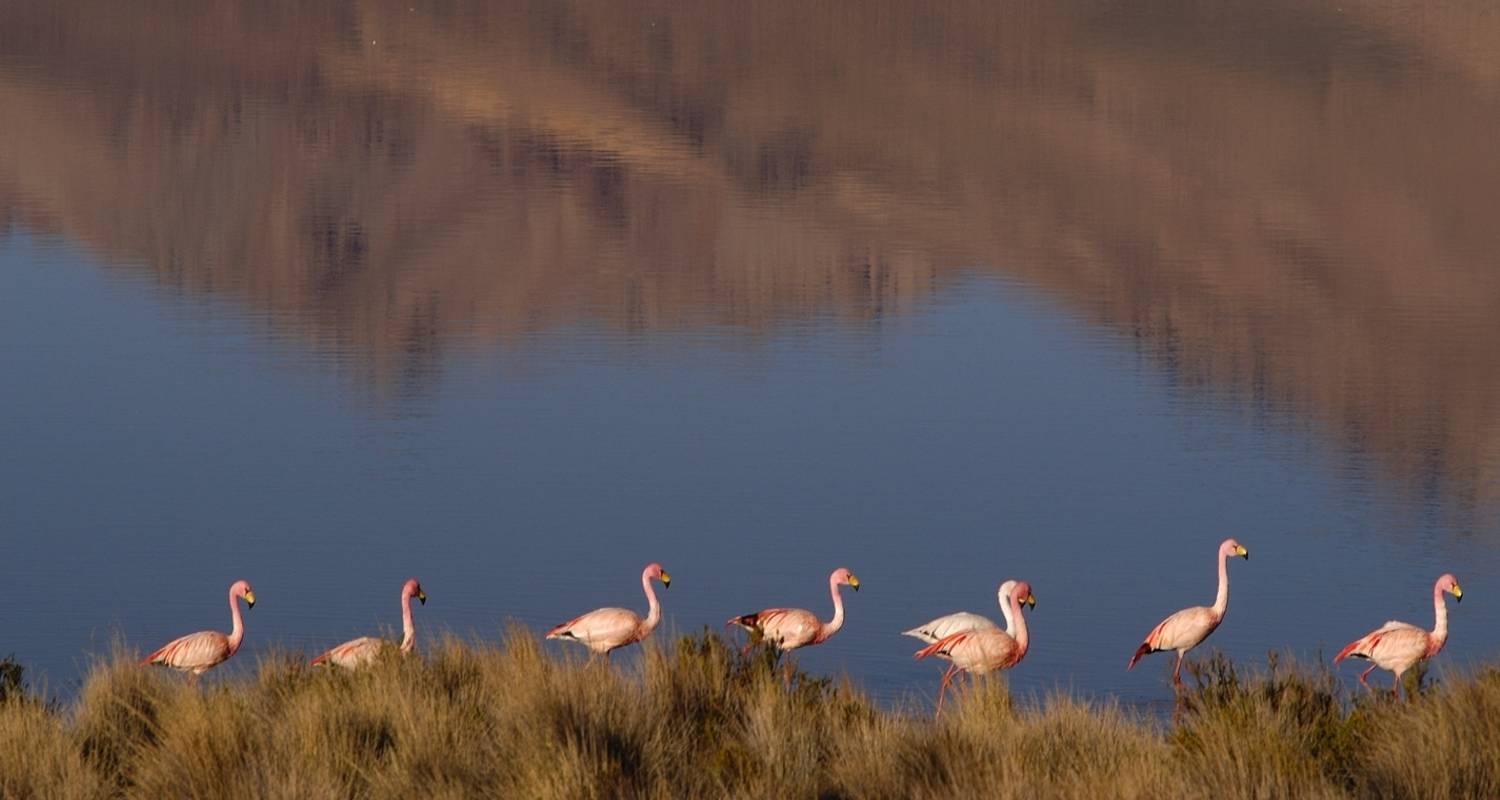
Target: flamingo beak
[
  {"x": 422, "y": 598},
  {"x": 854, "y": 583},
  {"x": 1242, "y": 552},
  {"x": 249, "y": 599},
  {"x": 1031, "y": 600},
  {"x": 666, "y": 580},
  {"x": 1458, "y": 594}
]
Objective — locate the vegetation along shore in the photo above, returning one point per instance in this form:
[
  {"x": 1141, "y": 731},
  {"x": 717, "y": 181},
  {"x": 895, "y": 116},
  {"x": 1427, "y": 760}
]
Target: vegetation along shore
[{"x": 696, "y": 718}]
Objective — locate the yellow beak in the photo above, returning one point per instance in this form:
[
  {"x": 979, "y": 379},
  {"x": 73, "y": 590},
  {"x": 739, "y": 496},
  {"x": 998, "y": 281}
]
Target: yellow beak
[
  {"x": 666, "y": 580},
  {"x": 1242, "y": 552},
  {"x": 422, "y": 598},
  {"x": 1458, "y": 594},
  {"x": 1031, "y": 600},
  {"x": 250, "y": 599},
  {"x": 854, "y": 583}
]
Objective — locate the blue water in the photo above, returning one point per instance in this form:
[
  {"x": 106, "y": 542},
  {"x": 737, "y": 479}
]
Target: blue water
[{"x": 159, "y": 446}]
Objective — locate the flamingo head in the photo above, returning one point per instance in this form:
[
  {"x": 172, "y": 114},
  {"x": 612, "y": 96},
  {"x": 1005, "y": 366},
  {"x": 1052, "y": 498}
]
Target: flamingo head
[
  {"x": 242, "y": 589},
  {"x": 844, "y": 576},
  {"x": 1232, "y": 548},
  {"x": 1449, "y": 584},
  {"x": 413, "y": 589},
  {"x": 1005, "y": 591},
  {"x": 654, "y": 570},
  {"x": 1021, "y": 592}
]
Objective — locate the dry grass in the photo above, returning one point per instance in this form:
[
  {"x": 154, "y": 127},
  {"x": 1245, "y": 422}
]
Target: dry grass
[{"x": 697, "y": 720}]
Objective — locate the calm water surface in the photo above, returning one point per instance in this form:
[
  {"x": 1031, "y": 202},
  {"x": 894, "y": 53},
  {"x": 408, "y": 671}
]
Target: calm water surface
[{"x": 517, "y": 297}]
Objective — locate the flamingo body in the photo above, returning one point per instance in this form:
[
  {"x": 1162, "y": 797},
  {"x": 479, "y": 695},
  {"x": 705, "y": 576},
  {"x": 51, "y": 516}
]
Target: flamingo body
[
  {"x": 363, "y": 651},
  {"x": 978, "y": 652},
  {"x": 603, "y": 630},
  {"x": 1182, "y": 632},
  {"x": 606, "y": 629},
  {"x": 1398, "y": 646},
  {"x": 791, "y": 628},
  {"x": 786, "y": 628},
  {"x": 196, "y": 653},
  {"x": 1186, "y": 629}
]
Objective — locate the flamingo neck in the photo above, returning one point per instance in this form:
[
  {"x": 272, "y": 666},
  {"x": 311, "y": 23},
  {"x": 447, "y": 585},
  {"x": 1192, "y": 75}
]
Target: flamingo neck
[
  {"x": 408, "y": 628},
  {"x": 1010, "y": 617},
  {"x": 653, "y": 614},
  {"x": 1221, "y": 600},
  {"x": 1439, "y": 635},
  {"x": 1023, "y": 639},
  {"x": 237, "y": 632},
  {"x": 832, "y": 626}
]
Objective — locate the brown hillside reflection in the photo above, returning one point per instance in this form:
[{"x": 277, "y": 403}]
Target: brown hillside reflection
[{"x": 1293, "y": 204}]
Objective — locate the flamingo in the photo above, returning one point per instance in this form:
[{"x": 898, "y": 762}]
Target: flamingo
[
  {"x": 1398, "y": 646},
  {"x": 605, "y": 629},
  {"x": 360, "y": 652},
  {"x": 1189, "y": 627},
  {"x": 985, "y": 650},
  {"x": 791, "y": 628},
  {"x": 196, "y": 653},
  {"x": 961, "y": 621}
]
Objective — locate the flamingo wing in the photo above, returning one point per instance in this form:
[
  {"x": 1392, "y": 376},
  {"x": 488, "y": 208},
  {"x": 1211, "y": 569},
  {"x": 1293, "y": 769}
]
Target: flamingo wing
[
  {"x": 354, "y": 653},
  {"x": 945, "y": 626},
  {"x": 600, "y": 630},
  {"x": 194, "y": 653}
]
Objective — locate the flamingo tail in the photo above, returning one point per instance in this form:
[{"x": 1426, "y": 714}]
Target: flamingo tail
[
  {"x": 1349, "y": 651},
  {"x": 320, "y": 660},
  {"x": 1144, "y": 649}
]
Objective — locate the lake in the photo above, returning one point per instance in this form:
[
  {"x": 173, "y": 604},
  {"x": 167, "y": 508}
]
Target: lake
[{"x": 517, "y": 297}]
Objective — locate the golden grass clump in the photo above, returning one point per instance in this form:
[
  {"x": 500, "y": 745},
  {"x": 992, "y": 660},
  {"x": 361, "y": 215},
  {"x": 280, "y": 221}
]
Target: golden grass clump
[{"x": 698, "y": 719}]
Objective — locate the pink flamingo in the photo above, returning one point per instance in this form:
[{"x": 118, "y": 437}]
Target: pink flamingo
[
  {"x": 961, "y": 621},
  {"x": 979, "y": 652},
  {"x": 791, "y": 628},
  {"x": 1189, "y": 627},
  {"x": 360, "y": 652},
  {"x": 199, "y": 652},
  {"x": 1398, "y": 646},
  {"x": 605, "y": 629}
]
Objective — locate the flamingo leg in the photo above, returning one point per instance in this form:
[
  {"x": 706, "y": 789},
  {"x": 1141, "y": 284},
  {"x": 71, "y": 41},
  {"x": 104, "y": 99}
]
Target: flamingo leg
[
  {"x": 943, "y": 687},
  {"x": 1177, "y": 670},
  {"x": 1364, "y": 678}
]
